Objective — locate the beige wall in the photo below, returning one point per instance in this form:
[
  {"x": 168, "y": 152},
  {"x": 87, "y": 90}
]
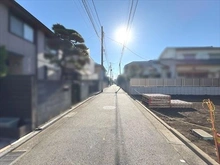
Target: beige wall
[
  {"x": 53, "y": 71},
  {"x": 16, "y": 44}
]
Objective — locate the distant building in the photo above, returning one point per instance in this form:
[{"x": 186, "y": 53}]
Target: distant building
[
  {"x": 25, "y": 38},
  {"x": 192, "y": 62},
  {"x": 101, "y": 71},
  {"x": 146, "y": 69},
  {"x": 179, "y": 62}
]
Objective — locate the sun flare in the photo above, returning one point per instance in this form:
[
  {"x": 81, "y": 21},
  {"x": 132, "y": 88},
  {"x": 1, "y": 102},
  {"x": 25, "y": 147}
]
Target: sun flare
[{"x": 122, "y": 36}]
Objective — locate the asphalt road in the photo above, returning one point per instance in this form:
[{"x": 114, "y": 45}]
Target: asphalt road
[{"x": 108, "y": 129}]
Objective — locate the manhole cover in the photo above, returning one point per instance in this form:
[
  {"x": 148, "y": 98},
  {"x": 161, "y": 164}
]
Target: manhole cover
[{"x": 109, "y": 107}]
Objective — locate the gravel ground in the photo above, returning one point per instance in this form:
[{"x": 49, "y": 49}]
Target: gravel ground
[{"x": 184, "y": 120}]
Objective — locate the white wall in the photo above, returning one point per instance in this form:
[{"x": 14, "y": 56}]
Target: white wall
[{"x": 171, "y": 53}]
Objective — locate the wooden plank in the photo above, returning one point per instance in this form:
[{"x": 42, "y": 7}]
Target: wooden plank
[{"x": 201, "y": 133}]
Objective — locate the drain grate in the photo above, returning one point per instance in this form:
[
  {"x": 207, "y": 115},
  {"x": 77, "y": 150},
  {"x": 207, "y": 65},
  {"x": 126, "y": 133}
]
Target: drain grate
[{"x": 10, "y": 157}]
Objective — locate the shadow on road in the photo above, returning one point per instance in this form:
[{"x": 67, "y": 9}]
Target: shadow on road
[{"x": 120, "y": 151}]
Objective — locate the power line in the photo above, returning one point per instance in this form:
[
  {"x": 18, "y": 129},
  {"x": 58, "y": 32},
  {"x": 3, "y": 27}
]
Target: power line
[
  {"x": 136, "y": 54},
  {"x": 128, "y": 49},
  {"x": 129, "y": 23},
  {"x": 92, "y": 13},
  {"x": 81, "y": 12},
  {"x": 125, "y": 39},
  {"x": 135, "y": 8},
  {"x": 90, "y": 16},
  {"x": 96, "y": 13},
  {"x": 129, "y": 20}
]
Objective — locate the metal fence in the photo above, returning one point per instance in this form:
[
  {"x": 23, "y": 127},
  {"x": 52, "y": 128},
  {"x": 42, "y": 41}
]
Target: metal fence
[{"x": 184, "y": 82}]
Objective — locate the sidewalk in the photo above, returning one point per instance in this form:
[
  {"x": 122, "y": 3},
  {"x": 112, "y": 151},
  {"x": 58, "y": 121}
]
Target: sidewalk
[{"x": 108, "y": 129}]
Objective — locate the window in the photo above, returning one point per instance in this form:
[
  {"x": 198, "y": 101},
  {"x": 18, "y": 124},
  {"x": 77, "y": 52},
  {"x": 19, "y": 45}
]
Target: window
[
  {"x": 21, "y": 29},
  {"x": 28, "y": 33},
  {"x": 168, "y": 75},
  {"x": 16, "y": 26},
  {"x": 189, "y": 56}
]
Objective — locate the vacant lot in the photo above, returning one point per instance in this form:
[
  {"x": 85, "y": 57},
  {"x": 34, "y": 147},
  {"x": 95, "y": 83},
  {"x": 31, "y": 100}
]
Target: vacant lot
[{"x": 184, "y": 120}]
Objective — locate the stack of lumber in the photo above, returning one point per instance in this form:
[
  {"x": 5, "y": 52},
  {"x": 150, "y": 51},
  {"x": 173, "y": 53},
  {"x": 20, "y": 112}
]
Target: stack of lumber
[
  {"x": 156, "y": 100},
  {"x": 180, "y": 104}
]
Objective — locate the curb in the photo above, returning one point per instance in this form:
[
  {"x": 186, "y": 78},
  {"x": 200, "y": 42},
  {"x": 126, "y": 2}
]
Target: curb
[
  {"x": 39, "y": 129},
  {"x": 205, "y": 157}
]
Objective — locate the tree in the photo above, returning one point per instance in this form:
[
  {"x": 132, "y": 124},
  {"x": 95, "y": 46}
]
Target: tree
[
  {"x": 69, "y": 50},
  {"x": 3, "y": 58},
  {"x": 121, "y": 80}
]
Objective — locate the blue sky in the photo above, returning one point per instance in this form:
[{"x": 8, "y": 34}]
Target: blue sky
[{"x": 157, "y": 24}]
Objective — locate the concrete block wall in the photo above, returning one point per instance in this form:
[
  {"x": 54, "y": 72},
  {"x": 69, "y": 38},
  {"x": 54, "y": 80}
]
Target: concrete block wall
[{"x": 53, "y": 98}]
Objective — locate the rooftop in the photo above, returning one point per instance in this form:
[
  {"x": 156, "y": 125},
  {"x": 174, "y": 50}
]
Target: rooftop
[
  {"x": 190, "y": 48},
  {"x": 194, "y": 48}
]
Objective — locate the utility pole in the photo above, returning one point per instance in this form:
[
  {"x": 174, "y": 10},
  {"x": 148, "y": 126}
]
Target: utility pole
[
  {"x": 120, "y": 68},
  {"x": 110, "y": 74},
  {"x": 102, "y": 67},
  {"x": 109, "y": 71}
]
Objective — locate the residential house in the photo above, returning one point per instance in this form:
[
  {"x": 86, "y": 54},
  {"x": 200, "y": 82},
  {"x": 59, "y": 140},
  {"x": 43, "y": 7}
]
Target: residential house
[
  {"x": 25, "y": 38},
  {"x": 101, "y": 71},
  {"x": 88, "y": 80},
  {"x": 26, "y": 95},
  {"x": 146, "y": 69},
  {"x": 192, "y": 62},
  {"x": 178, "y": 62}
]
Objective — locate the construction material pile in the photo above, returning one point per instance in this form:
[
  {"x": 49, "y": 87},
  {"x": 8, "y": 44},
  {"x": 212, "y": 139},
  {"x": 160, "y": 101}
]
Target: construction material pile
[
  {"x": 164, "y": 101},
  {"x": 180, "y": 104},
  {"x": 156, "y": 100}
]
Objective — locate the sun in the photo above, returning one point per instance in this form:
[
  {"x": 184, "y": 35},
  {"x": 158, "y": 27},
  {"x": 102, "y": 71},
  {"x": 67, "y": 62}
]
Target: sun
[{"x": 122, "y": 36}]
